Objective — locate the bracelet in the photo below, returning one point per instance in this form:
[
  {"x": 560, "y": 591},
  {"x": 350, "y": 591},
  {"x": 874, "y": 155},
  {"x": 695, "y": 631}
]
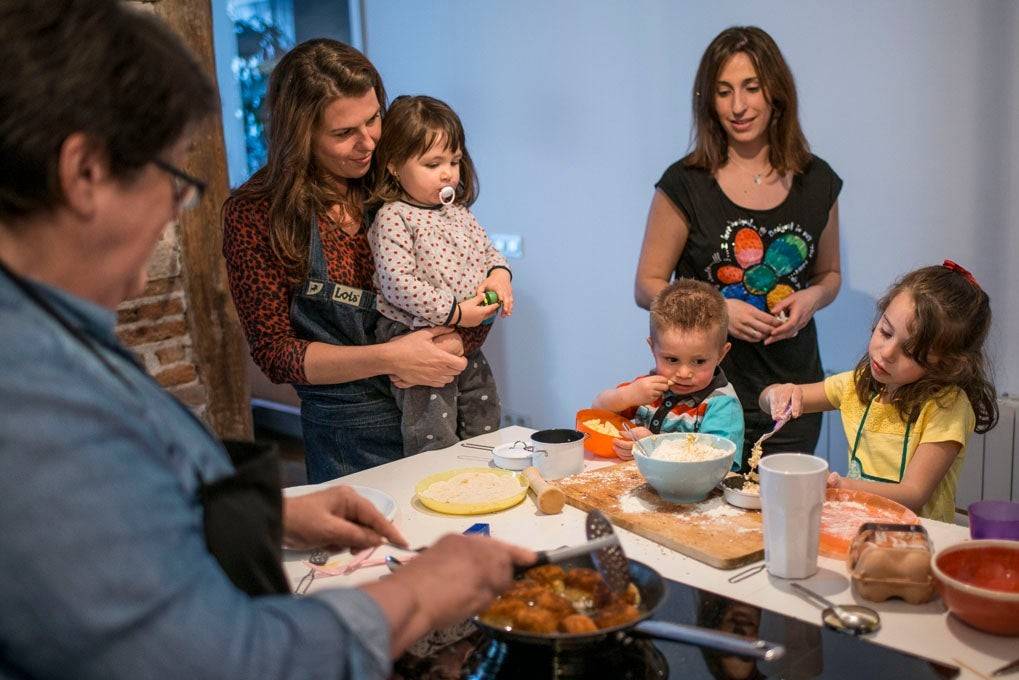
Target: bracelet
[{"x": 500, "y": 266}]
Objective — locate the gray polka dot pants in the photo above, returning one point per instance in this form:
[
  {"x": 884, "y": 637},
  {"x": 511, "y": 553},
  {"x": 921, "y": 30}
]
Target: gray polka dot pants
[
  {"x": 434, "y": 418},
  {"x": 437, "y": 417}
]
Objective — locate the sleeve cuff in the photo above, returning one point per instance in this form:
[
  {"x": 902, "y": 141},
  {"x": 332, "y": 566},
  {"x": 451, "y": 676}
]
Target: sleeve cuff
[
  {"x": 366, "y": 622},
  {"x": 499, "y": 266},
  {"x": 449, "y": 318}
]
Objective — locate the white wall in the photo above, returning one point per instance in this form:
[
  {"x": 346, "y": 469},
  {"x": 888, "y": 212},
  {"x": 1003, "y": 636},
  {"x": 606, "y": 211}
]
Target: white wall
[
  {"x": 229, "y": 92},
  {"x": 574, "y": 109}
]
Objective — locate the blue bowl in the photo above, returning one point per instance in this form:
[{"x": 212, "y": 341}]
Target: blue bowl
[{"x": 680, "y": 481}]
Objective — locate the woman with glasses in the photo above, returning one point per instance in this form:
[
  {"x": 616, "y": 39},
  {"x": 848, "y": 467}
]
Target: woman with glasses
[
  {"x": 301, "y": 270},
  {"x": 134, "y": 545}
]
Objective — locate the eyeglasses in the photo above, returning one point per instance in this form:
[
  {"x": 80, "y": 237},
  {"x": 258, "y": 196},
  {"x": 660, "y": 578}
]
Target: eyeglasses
[{"x": 187, "y": 190}]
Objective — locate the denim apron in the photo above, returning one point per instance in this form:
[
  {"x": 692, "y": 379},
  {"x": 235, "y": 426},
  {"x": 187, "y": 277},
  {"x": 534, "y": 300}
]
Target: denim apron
[{"x": 347, "y": 426}]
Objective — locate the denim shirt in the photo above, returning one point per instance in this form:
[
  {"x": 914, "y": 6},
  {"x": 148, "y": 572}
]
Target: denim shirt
[{"x": 104, "y": 572}]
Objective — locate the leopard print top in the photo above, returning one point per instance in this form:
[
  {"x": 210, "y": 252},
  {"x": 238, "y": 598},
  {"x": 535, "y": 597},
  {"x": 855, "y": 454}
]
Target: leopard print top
[{"x": 262, "y": 293}]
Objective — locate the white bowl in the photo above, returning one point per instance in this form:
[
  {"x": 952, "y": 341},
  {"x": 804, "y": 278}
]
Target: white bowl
[
  {"x": 734, "y": 495},
  {"x": 515, "y": 456}
]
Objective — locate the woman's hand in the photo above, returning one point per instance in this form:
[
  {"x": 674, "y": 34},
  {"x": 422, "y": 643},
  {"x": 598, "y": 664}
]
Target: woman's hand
[
  {"x": 474, "y": 311},
  {"x": 499, "y": 281},
  {"x": 460, "y": 575},
  {"x": 833, "y": 480},
  {"x": 335, "y": 518},
  {"x": 418, "y": 360},
  {"x": 455, "y": 578},
  {"x": 623, "y": 446},
  {"x": 748, "y": 323},
  {"x": 451, "y": 342},
  {"x": 799, "y": 309}
]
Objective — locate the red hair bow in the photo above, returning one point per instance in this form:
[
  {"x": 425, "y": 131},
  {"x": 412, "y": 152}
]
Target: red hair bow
[{"x": 962, "y": 271}]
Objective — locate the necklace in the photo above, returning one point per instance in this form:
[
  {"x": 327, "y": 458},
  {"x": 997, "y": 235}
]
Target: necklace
[{"x": 758, "y": 177}]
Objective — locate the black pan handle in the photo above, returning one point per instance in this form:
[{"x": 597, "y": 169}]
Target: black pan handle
[{"x": 713, "y": 639}]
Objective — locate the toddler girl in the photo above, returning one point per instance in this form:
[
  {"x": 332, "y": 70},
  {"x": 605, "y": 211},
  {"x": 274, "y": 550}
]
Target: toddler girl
[
  {"x": 433, "y": 265},
  {"x": 915, "y": 397}
]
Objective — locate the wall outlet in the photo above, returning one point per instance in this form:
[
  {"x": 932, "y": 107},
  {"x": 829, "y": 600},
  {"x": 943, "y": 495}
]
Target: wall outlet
[{"x": 510, "y": 245}]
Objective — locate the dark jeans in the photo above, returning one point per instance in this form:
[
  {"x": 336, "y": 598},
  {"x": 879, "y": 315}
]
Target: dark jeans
[{"x": 346, "y": 433}]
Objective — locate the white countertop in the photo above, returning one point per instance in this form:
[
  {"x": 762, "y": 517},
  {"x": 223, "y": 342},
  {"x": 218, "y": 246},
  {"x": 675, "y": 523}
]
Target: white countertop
[{"x": 923, "y": 630}]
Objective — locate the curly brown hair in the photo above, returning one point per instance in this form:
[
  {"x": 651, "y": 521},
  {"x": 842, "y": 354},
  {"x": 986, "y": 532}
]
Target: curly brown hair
[
  {"x": 952, "y": 320},
  {"x": 305, "y": 81},
  {"x": 787, "y": 146},
  {"x": 410, "y": 127},
  {"x": 688, "y": 304}
]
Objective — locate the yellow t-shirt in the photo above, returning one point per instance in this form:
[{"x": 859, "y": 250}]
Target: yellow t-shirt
[{"x": 948, "y": 418}]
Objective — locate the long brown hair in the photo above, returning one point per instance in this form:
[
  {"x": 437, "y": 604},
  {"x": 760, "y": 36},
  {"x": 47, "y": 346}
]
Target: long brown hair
[
  {"x": 788, "y": 149},
  {"x": 410, "y": 127},
  {"x": 951, "y": 323},
  {"x": 306, "y": 80}
]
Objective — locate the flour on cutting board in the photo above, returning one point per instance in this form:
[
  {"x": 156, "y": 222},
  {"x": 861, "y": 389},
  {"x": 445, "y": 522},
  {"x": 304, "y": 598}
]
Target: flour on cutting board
[
  {"x": 633, "y": 502},
  {"x": 636, "y": 501}
]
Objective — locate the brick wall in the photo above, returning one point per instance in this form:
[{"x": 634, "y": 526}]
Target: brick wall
[{"x": 155, "y": 327}]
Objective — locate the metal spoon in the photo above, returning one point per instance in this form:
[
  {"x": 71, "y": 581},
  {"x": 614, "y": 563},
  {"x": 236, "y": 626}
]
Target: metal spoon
[
  {"x": 853, "y": 619},
  {"x": 636, "y": 441},
  {"x": 778, "y": 426}
]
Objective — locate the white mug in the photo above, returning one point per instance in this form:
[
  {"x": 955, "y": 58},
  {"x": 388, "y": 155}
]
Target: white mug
[
  {"x": 558, "y": 453},
  {"x": 792, "y": 497}
]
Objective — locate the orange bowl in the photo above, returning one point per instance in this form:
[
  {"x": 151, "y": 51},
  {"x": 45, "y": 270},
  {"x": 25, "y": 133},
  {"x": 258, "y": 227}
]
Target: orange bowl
[
  {"x": 845, "y": 510},
  {"x": 979, "y": 582},
  {"x": 597, "y": 443}
]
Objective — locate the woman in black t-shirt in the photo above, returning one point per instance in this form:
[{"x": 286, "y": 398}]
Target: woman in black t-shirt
[{"x": 753, "y": 212}]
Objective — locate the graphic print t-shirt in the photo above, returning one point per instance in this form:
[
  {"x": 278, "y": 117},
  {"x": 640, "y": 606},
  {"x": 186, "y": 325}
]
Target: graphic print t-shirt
[{"x": 760, "y": 257}]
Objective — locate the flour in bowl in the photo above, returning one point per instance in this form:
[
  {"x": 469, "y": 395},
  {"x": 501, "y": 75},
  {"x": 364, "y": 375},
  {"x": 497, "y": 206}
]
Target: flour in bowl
[
  {"x": 473, "y": 487},
  {"x": 688, "y": 449}
]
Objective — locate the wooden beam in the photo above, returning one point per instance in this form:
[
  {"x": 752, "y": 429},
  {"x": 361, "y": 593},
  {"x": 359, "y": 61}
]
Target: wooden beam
[{"x": 218, "y": 346}]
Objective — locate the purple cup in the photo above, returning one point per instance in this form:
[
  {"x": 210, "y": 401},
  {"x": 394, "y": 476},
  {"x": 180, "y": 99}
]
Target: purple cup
[{"x": 994, "y": 519}]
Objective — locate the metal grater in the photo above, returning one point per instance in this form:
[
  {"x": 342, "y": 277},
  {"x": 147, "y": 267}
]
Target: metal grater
[{"x": 611, "y": 562}]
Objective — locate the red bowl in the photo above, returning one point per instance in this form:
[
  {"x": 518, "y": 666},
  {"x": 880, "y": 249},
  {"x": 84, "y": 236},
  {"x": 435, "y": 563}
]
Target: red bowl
[{"x": 979, "y": 582}]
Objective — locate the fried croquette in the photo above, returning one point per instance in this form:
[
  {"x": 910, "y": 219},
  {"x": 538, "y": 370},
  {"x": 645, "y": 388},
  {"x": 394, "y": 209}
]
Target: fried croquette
[
  {"x": 615, "y": 614},
  {"x": 549, "y": 573},
  {"x": 536, "y": 620},
  {"x": 577, "y": 623}
]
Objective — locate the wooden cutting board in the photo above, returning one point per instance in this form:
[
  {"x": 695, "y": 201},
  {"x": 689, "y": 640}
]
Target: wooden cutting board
[{"x": 711, "y": 531}]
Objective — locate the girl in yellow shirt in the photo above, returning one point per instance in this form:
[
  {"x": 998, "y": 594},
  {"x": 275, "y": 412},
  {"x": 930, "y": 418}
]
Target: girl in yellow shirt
[{"x": 916, "y": 396}]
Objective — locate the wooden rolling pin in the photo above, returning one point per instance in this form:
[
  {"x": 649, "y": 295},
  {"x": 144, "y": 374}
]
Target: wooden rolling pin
[{"x": 550, "y": 499}]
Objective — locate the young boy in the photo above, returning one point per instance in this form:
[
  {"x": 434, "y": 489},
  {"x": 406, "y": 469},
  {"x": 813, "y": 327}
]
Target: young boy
[{"x": 686, "y": 391}]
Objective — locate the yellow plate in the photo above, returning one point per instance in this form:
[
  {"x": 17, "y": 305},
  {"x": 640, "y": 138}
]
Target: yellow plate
[{"x": 470, "y": 508}]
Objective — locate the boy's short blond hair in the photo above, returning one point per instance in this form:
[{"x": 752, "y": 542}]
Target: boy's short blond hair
[{"x": 687, "y": 304}]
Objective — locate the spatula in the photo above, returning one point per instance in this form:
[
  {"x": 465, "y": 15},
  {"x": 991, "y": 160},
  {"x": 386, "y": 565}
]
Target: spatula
[{"x": 610, "y": 561}]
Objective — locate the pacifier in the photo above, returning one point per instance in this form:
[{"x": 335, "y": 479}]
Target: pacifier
[{"x": 447, "y": 194}]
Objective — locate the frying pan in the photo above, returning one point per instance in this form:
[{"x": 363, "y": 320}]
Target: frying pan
[{"x": 651, "y": 586}]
